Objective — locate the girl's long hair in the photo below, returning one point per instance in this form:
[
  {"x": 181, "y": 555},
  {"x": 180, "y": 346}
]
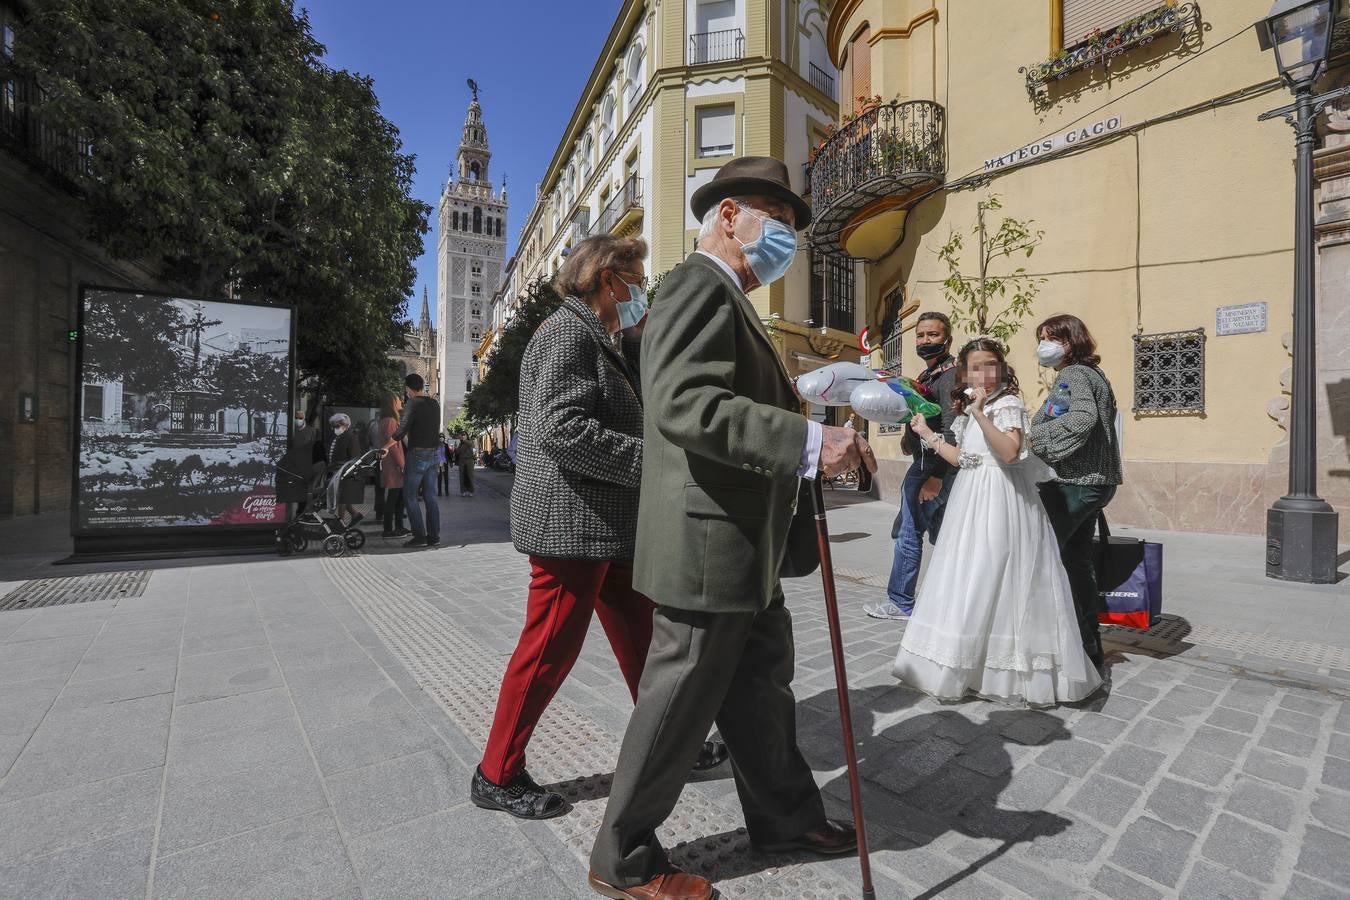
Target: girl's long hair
[
  {"x": 390, "y": 406},
  {"x": 1007, "y": 380}
]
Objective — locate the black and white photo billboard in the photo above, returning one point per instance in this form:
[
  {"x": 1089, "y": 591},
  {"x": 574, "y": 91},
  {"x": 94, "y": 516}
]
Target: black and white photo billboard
[{"x": 183, "y": 411}]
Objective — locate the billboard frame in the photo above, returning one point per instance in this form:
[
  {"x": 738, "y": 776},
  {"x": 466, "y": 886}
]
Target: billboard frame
[{"x": 158, "y": 541}]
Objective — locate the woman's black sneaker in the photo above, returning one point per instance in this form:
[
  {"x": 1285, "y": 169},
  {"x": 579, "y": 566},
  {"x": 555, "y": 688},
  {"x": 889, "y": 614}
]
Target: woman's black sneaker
[{"x": 520, "y": 797}]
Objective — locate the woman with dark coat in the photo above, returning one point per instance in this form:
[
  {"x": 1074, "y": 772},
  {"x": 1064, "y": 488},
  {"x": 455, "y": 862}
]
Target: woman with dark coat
[
  {"x": 345, "y": 446},
  {"x": 1075, "y": 432},
  {"x": 574, "y": 509}
]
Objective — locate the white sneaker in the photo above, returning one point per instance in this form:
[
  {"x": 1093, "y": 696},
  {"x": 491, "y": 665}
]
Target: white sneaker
[{"x": 885, "y": 610}]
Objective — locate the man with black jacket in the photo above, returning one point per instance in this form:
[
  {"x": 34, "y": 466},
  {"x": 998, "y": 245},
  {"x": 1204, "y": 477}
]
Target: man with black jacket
[
  {"x": 923, "y": 495},
  {"x": 421, "y": 425}
]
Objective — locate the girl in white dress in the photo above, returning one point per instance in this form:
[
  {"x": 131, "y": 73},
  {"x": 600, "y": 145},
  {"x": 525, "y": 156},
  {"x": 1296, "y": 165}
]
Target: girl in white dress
[{"x": 994, "y": 616}]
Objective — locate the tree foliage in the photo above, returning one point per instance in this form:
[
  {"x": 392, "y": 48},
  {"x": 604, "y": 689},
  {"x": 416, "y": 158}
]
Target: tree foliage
[
  {"x": 973, "y": 296},
  {"x": 496, "y": 399},
  {"x": 228, "y": 156}
]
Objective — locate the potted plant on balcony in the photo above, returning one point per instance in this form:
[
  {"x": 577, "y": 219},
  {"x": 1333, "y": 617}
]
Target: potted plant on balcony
[{"x": 866, "y": 104}]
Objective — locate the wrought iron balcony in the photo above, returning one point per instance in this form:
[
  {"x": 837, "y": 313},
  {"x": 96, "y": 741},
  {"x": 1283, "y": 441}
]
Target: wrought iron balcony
[
  {"x": 821, "y": 80},
  {"x": 891, "y": 151},
  {"x": 23, "y": 132},
  {"x": 892, "y": 351},
  {"x": 625, "y": 208},
  {"x": 579, "y": 226},
  {"x": 716, "y": 46}
]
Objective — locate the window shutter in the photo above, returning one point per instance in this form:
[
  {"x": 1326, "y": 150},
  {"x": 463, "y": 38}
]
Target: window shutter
[
  {"x": 717, "y": 131},
  {"x": 1082, "y": 17},
  {"x": 860, "y": 56}
]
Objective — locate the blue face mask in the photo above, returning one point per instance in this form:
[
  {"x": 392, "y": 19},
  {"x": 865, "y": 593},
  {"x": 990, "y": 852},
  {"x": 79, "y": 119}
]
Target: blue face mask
[
  {"x": 771, "y": 256},
  {"x": 634, "y": 308}
]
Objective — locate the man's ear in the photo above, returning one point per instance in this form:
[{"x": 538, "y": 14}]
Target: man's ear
[{"x": 726, "y": 213}]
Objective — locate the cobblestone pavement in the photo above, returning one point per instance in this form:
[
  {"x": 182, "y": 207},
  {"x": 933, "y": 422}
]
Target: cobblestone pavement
[{"x": 306, "y": 728}]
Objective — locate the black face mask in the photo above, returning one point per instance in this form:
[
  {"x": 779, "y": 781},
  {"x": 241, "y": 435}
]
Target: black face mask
[{"x": 932, "y": 351}]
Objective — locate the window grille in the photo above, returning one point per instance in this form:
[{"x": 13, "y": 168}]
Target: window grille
[
  {"x": 832, "y": 292},
  {"x": 1169, "y": 373}
]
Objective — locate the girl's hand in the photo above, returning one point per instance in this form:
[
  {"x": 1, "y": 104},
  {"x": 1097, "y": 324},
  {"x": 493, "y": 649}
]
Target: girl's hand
[
  {"x": 919, "y": 425},
  {"x": 977, "y": 397}
]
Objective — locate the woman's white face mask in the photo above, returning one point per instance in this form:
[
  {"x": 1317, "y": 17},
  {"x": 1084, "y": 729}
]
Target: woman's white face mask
[{"x": 1050, "y": 353}]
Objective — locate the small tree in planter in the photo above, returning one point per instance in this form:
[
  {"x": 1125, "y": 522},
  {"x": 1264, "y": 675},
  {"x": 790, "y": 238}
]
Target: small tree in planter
[{"x": 974, "y": 295}]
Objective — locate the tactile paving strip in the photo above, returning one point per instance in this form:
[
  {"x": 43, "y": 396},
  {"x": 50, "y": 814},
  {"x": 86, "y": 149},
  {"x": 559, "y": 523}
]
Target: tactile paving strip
[
  {"x": 76, "y": 589},
  {"x": 464, "y": 677}
]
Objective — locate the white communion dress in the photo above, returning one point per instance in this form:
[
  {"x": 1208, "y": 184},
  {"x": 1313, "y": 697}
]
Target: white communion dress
[{"x": 994, "y": 616}]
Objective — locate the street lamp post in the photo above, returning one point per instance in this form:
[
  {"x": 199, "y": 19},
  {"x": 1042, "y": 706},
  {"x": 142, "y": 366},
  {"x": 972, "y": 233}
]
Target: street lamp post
[{"x": 1301, "y": 527}]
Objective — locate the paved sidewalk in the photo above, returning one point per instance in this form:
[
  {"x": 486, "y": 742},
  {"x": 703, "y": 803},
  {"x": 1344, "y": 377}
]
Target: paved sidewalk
[{"x": 259, "y": 727}]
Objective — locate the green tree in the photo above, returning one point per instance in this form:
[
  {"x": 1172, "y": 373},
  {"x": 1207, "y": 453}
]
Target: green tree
[
  {"x": 496, "y": 399},
  {"x": 230, "y": 158},
  {"x": 973, "y": 295}
]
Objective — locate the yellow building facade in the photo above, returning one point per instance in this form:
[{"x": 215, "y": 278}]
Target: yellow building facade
[
  {"x": 1127, "y": 131},
  {"x": 680, "y": 87}
]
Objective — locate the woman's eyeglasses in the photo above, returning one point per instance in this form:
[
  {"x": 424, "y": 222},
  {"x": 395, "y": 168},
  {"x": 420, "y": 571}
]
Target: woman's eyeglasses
[{"x": 640, "y": 283}]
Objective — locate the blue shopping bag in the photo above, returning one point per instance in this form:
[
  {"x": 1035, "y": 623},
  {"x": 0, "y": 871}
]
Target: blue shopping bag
[{"x": 1129, "y": 579}]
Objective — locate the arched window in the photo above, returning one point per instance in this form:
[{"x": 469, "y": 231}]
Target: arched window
[
  {"x": 571, "y": 195},
  {"x": 499, "y": 228},
  {"x": 473, "y": 171},
  {"x": 454, "y": 221},
  {"x": 587, "y": 156},
  {"x": 478, "y": 220},
  {"x": 635, "y": 83},
  {"x": 607, "y": 122}
]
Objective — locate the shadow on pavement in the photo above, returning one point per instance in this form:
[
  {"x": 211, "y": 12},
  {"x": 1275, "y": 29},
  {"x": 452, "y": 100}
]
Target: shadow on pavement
[{"x": 923, "y": 776}]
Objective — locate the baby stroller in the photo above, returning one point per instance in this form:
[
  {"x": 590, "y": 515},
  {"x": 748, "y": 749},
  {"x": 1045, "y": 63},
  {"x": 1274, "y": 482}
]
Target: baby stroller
[{"x": 315, "y": 518}]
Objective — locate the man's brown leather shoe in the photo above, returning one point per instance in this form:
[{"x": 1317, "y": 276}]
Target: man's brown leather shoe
[
  {"x": 832, "y": 838},
  {"x": 668, "y": 886}
]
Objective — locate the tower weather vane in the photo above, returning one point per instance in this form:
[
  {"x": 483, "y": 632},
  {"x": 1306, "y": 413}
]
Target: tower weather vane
[{"x": 473, "y": 86}]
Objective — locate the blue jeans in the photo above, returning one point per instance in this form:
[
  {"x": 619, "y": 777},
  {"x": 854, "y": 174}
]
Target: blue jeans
[
  {"x": 420, "y": 473},
  {"x": 914, "y": 521}
]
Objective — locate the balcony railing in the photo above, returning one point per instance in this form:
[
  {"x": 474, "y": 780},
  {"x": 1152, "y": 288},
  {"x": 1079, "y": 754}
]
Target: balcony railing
[
  {"x": 888, "y": 151},
  {"x": 24, "y": 133},
  {"x": 821, "y": 80},
  {"x": 716, "y": 46},
  {"x": 579, "y": 226},
  {"x": 627, "y": 201}
]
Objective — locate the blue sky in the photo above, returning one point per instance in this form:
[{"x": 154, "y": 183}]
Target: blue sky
[{"x": 530, "y": 58}]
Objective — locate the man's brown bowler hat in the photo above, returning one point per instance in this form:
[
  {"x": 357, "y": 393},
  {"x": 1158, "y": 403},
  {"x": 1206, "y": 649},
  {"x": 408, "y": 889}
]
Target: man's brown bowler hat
[{"x": 749, "y": 176}]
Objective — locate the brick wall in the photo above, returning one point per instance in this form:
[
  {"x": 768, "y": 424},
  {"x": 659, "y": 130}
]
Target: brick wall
[{"x": 43, "y": 261}]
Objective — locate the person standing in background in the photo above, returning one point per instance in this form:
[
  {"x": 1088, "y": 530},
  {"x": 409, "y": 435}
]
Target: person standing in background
[
  {"x": 923, "y": 496},
  {"x": 1074, "y": 431},
  {"x": 421, "y": 425},
  {"x": 345, "y": 446},
  {"x": 390, "y": 478},
  {"x": 465, "y": 457},
  {"x": 443, "y": 469}
]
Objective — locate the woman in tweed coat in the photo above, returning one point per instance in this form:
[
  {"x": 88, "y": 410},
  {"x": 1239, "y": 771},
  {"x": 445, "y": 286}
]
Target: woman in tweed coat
[
  {"x": 1074, "y": 431},
  {"x": 573, "y": 507}
]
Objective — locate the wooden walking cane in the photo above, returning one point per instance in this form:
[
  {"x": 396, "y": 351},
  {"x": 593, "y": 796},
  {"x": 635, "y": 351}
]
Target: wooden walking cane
[{"x": 841, "y": 685}]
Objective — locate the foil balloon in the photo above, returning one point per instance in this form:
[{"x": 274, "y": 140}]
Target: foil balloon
[
  {"x": 892, "y": 401},
  {"x": 832, "y": 385}
]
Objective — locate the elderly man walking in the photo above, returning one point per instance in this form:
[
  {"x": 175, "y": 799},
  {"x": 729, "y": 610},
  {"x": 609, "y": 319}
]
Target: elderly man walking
[{"x": 725, "y": 447}]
